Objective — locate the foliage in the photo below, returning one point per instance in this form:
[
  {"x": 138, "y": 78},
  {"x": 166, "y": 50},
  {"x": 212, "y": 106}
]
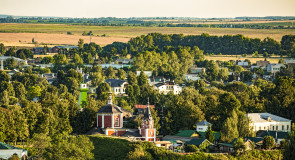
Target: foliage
[
  {"x": 268, "y": 142},
  {"x": 239, "y": 146},
  {"x": 191, "y": 148}
]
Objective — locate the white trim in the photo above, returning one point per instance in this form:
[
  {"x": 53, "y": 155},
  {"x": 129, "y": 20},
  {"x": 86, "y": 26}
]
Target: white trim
[{"x": 146, "y": 134}]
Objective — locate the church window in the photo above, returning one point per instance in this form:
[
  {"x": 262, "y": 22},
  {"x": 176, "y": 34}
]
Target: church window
[{"x": 116, "y": 121}]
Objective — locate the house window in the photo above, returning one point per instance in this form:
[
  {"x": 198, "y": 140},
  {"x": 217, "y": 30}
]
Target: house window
[
  {"x": 287, "y": 127},
  {"x": 116, "y": 121},
  {"x": 277, "y": 127},
  {"x": 283, "y": 127},
  {"x": 273, "y": 128}
]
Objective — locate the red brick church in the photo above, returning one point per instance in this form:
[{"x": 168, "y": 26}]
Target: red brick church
[{"x": 110, "y": 120}]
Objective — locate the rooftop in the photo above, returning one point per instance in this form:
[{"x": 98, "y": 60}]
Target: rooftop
[
  {"x": 115, "y": 82},
  {"x": 204, "y": 123},
  {"x": 266, "y": 117},
  {"x": 110, "y": 108}
]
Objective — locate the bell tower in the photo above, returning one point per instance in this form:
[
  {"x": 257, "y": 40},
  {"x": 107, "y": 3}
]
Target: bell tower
[{"x": 147, "y": 129}]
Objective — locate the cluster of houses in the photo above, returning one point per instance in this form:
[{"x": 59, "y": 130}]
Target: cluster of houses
[{"x": 264, "y": 124}]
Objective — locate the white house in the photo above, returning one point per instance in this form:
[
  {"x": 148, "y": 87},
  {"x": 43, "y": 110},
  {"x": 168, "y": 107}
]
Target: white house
[
  {"x": 117, "y": 66},
  {"x": 288, "y": 61},
  {"x": 273, "y": 68},
  {"x": 242, "y": 63},
  {"x": 118, "y": 86},
  {"x": 147, "y": 73},
  {"x": 268, "y": 122},
  {"x": 166, "y": 87},
  {"x": 203, "y": 126},
  {"x": 192, "y": 77},
  {"x": 6, "y": 151}
]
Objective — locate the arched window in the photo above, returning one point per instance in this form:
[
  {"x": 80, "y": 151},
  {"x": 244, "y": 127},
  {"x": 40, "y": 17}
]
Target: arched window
[{"x": 117, "y": 121}]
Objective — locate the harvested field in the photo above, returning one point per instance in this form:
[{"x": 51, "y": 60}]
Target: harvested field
[
  {"x": 238, "y": 57},
  {"x": 25, "y": 39},
  {"x": 56, "y": 34}
]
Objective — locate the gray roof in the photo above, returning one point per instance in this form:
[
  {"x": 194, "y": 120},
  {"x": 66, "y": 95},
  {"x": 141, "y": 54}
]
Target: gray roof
[
  {"x": 110, "y": 108},
  {"x": 264, "y": 117},
  {"x": 115, "y": 82},
  {"x": 204, "y": 123},
  {"x": 67, "y": 47}
]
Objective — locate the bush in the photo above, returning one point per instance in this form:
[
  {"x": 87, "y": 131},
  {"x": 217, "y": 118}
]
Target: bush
[
  {"x": 190, "y": 148},
  {"x": 268, "y": 142}
]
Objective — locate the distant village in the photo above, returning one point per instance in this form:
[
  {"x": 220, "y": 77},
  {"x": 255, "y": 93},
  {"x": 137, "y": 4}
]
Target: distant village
[{"x": 111, "y": 118}]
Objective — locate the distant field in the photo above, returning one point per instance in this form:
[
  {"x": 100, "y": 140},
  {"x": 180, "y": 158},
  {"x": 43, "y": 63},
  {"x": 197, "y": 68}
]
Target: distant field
[
  {"x": 12, "y": 34},
  {"x": 238, "y": 57}
]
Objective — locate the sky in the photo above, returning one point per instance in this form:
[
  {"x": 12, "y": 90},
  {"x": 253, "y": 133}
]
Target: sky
[{"x": 148, "y": 8}]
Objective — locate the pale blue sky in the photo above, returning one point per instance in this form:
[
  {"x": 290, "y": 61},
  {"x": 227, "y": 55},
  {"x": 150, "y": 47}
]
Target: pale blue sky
[{"x": 148, "y": 8}]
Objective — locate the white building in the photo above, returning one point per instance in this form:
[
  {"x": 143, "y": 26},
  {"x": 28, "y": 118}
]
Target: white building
[
  {"x": 117, "y": 66},
  {"x": 192, "y": 77},
  {"x": 118, "y": 86},
  {"x": 269, "y": 122},
  {"x": 288, "y": 61},
  {"x": 166, "y": 87},
  {"x": 6, "y": 151},
  {"x": 273, "y": 68},
  {"x": 147, "y": 73},
  {"x": 243, "y": 64},
  {"x": 203, "y": 126}
]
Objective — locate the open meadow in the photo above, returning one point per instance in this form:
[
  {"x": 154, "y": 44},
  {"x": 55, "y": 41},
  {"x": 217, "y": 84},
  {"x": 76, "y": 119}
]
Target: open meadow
[{"x": 56, "y": 34}]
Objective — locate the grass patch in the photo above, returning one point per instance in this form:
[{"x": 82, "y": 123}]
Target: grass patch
[{"x": 109, "y": 148}]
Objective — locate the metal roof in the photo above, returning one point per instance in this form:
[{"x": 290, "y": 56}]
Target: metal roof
[
  {"x": 115, "y": 82},
  {"x": 204, "y": 123},
  {"x": 110, "y": 108},
  {"x": 264, "y": 117}
]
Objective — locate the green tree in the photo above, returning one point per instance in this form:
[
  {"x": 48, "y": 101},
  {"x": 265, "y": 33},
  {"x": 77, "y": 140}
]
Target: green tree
[
  {"x": 229, "y": 129},
  {"x": 223, "y": 74},
  {"x": 60, "y": 59},
  {"x": 190, "y": 148},
  {"x": 110, "y": 73},
  {"x": 96, "y": 78},
  {"x": 102, "y": 91},
  {"x": 289, "y": 153},
  {"x": 4, "y": 76},
  {"x": 40, "y": 142},
  {"x": 142, "y": 79},
  {"x": 121, "y": 74},
  {"x": 239, "y": 146},
  {"x": 34, "y": 91},
  {"x": 132, "y": 78},
  {"x": 81, "y": 43},
  {"x": 268, "y": 142},
  {"x": 2, "y": 49},
  {"x": 77, "y": 59},
  {"x": 209, "y": 135}
]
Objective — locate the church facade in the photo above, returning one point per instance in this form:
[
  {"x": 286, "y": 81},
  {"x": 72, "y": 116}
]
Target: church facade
[{"x": 110, "y": 120}]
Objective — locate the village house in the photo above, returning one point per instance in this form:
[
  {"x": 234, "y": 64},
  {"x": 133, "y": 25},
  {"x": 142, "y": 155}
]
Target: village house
[
  {"x": 124, "y": 61},
  {"x": 196, "y": 70},
  {"x": 203, "y": 126},
  {"x": 147, "y": 73},
  {"x": 273, "y": 67},
  {"x": 268, "y": 122},
  {"x": 262, "y": 64},
  {"x": 6, "y": 151},
  {"x": 141, "y": 109},
  {"x": 277, "y": 135},
  {"x": 242, "y": 63},
  {"x": 229, "y": 147},
  {"x": 118, "y": 86},
  {"x": 166, "y": 87}
]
